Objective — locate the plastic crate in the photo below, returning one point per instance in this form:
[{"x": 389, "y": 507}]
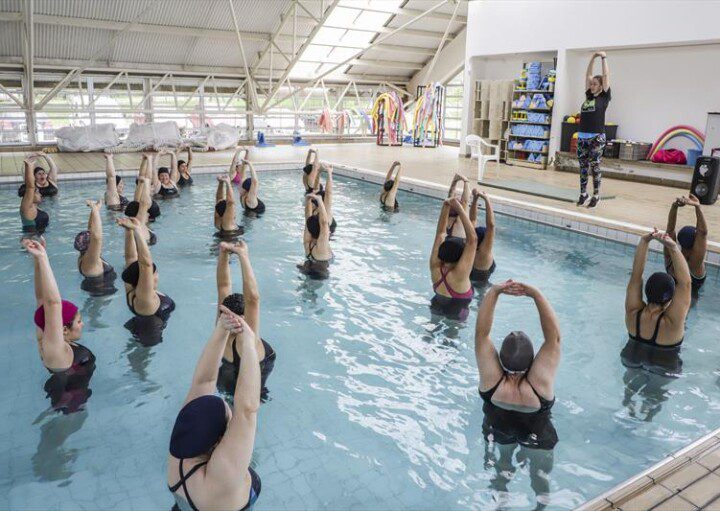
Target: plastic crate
[
  {"x": 634, "y": 150},
  {"x": 612, "y": 150}
]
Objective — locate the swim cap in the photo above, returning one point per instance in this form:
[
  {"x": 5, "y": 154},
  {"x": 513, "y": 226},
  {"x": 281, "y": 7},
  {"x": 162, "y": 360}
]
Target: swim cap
[
  {"x": 199, "y": 426},
  {"x": 163, "y": 170},
  {"x": 131, "y": 274},
  {"x": 82, "y": 241},
  {"x": 517, "y": 352},
  {"x": 21, "y": 190},
  {"x": 451, "y": 249},
  {"x": 388, "y": 185},
  {"x": 480, "y": 231},
  {"x": 153, "y": 211},
  {"x": 236, "y": 303},
  {"x": 117, "y": 180},
  {"x": 659, "y": 288},
  {"x": 38, "y": 169},
  {"x": 42, "y": 220},
  {"x": 686, "y": 237},
  {"x": 308, "y": 168},
  {"x": 313, "y": 225},
  {"x": 246, "y": 184},
  {"x": 69, "y": 310},
  {"x": 132, "y": 208},
  {"x": 220, "y": 207}
]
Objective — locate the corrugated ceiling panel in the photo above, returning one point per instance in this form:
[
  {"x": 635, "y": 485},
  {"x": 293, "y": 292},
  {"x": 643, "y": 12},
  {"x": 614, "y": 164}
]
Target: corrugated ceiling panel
[
  {"x": 423, "y": 5},
  {"x": 380, "y": 54},
  {"x": 112, "y": 10},
  {"x": 63, "y": 42},
  {"x": 10, "y": 39},
  {"x": 11, "y": 6},
  {"x": 151, "y": 48}
]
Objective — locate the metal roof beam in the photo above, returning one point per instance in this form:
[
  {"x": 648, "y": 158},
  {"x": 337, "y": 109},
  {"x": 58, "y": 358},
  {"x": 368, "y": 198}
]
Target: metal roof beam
[{"x": 404, "y": 11}]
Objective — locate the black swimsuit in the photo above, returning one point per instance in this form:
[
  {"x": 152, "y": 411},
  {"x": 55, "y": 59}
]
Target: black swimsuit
[
  {"x": 255, "y": 486},
  {"x": 48, "y": 191},
  {"x": 229, "y": 370},
  {"x": 695, "y": 282},
  {"x": 107, "y": 269},
  {"x": 83, "y": 360},
  {"x": 185, "y": 182},
  {"x": 260, "y": 208},
  {"x": 648, "y": 354},
  {"x": 382, "y": 202},
  {"x": 69, "y": 389},
  {"x": 167, "y": 305},
  {"x": 530, "y": 429},
  {"x": 167, "y": 192},
  {"x": 481, "y": 276}
]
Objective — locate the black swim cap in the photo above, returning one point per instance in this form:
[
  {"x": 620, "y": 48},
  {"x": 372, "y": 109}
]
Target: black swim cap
[
  {"x": 313, "y": 225},
  {"x": 153, "y": 211},
  {"x": 199, "y": 426},
  {"x": 686, "y": 237},
  {"x": 132, "y": 208},
  {"x": 659, "y": 288},
  {"x": 308, "y": 168},
  {"x": 451, "y": 249},
  {"x": 388, "y": 185},
  {"x": 246, "y": 184},
  {"x": 480, "y": 231},
  {"x": 117, "y": 180},
  {"x": 236, "y": 303},
  {"x": 517, "y": 352},
  {"x": 38, "y": 169},
  {"x": 163, "y": 170},
  {"x": 131, "y": 274},
  {"x": 21, "y": 190},
  {"x": 42, "y": 220},
  {"x": 220, "y": 207}
]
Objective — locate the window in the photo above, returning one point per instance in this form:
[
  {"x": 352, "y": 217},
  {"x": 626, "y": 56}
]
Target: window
[{"x": 454, "y": 108}]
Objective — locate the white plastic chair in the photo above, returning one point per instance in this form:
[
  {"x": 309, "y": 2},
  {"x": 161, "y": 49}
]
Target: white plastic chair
[{"x": 476, "y": 145}]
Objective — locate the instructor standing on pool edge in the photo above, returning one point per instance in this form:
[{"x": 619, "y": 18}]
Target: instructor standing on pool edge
[{"x": 591, "y": 133}]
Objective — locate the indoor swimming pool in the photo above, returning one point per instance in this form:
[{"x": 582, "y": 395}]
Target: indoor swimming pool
[{"x": 373, "y": 401}]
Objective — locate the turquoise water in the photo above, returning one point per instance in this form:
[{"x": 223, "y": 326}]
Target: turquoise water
[{"x": 373, "y": 402}]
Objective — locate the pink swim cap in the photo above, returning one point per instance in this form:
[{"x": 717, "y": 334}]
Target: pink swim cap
[{"x": 69, "y": 310}]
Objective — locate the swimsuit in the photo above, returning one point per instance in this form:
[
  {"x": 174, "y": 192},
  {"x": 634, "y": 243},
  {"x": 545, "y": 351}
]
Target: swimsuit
[
  {"x": 167, "y": 192},
  {"x": 107, "y": 269},
  {"x": 477, "y": 275},
  {"x": 229, "y": 370},
  {"x": 640, "y": 353},
  {"x": 186, "y": 503},
  {"x": 454, "y": 306},
  {"x": 530, "y": 429},
  {"x": 184, "y": 182},
  {"x": 50, "y": 190},
  {"x": 653, "y": 340},
  {"x": 695, "y": 282},
  {"x": 38, "y": 224},
  {"x": 167, "y": 305},
  {"x": 382, "y": 201},
  {"x": 260, "y": 208}
]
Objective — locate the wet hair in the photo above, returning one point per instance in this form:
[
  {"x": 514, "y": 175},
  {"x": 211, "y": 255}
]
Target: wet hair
[
  {"x": 220, "y": 207},
  {"x": 131, "y": 274},
  {"x": 660, "y": 288},
  {"x": 21, "y": 190},
  {"x": 451, "y": 249},
  {"x": 313, "y": 225},
  {"x": 132, "y": 208},
  {"x": 38, "y": 169},
  {"x": 181, "y": 162},
  {"x": 686, "y": 237},
  {"x": 388, "y": 185},
  {"x": 236, "y": 303},
  {"x": 153, "y": 211},
  {"x": 517, "y": 352},
  {"x": 198, "y": 427},
  {"x": 246, "y": 184},
  {"x": 480, "y": 231},
  {"x": 308, "y": 168},
  {"x": 163, "y": 170}
]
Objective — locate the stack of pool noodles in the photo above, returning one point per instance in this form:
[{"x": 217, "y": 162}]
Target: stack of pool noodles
[
  {"x": 393, "y": 116},
  {"x": 688, "y": 132},
  {"x": 325, "y": 121},
  {"x": 427, "y": 118}
]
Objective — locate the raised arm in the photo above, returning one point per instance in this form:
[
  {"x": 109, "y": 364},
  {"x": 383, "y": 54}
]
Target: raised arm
[
  {"x": 28, "y": 200},
  {"x": 112, "y": 198},
  {"x": 633, "y": 295},
  {"x": 544, "y": 366},
  {"x": 589, "y": 72},
  {"x": 677, "y": 310},
  {"x": 53, "y": 172},
  {"x": 605, "y": 71},
  {"x": 439, "y": 233},
  {"x": 451, "y": 190},
  {"x": 220, "y": 191},
  {"x": 233, "y": 163},
  {"x": 205, "y": 375},
  {"x": 697, "y": 255},
  {"x": 189, "y": 159},
  {"x": 328, "y": 199},
  {"x": 489, "y": 221},
  {"x": 671, "y": 226},
  {"x": 485, "y": 353},
  {"x": 130, "y": 248},
  {"x": 52, "y": 335},
  {"x": 308, "y": 158},
  {"x": 223, "y": 276},
  {"x": 232, "y": 456},
  {"x": 92, "y": 256},
  {"x": 254, "y": 184},
  {"x": 174, "y": 172},
  {"x": 465, "y": 263},
  {"x": 250, "y": 287}
]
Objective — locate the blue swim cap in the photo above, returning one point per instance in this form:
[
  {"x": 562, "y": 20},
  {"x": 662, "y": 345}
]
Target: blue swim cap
[
  {"x": 246, "y": 184},
  {"x": 686, "y": 237},
  {"x": 199, "y": 426}
]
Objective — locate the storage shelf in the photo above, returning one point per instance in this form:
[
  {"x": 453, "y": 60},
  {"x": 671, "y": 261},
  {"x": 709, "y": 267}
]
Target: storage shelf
[
  {"x": 527, "y": 136},
  {"x": 532, "y": 109},
  {"x": 535, "y": 91},
  {"x": 527, "y": 151},
  {"x": 528, "y": 122}
]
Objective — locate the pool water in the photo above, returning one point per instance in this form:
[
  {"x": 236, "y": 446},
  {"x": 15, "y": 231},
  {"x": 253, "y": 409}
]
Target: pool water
[{"x": 373, "y": 401}]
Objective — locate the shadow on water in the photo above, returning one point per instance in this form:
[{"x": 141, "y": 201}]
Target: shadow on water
[
  {"x": 139, "y": 357},
  {"x": 52, "y": 461}
]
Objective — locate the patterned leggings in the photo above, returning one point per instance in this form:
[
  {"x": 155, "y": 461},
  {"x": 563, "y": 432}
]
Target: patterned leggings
[{"x": 589, "y": 152}]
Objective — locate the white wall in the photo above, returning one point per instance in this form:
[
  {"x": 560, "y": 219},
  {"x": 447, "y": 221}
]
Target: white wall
[{"x": 663, "y": 55}]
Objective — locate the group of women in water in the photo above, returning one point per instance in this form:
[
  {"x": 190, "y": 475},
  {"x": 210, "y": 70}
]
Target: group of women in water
[{"x": 212, "y": 441}]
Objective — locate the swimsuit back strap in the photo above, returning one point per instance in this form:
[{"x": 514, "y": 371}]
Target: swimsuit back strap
[
  {"x": 637, "y": 323},
  {"x": 653, "y": 339},
  {"x": 183, "y": 479},
  {"x": 488, "y": 394},
  {"x": 544, "y": 403},
  {"x": 442, "y": 280}
]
